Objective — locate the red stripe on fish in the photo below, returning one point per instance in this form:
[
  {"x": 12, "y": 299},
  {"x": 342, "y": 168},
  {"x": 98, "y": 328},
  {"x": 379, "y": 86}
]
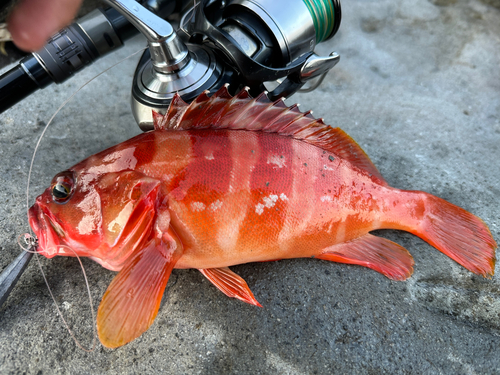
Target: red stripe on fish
[
  {"x": 270, "y": 184},
  {"x": 211, "y": 158}
]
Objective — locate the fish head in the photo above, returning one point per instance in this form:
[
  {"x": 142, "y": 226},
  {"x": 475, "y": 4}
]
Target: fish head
[{"x": 99, "y": 215}]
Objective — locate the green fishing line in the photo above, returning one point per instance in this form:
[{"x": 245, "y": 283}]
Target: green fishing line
[{"x": 323, "y": 17}]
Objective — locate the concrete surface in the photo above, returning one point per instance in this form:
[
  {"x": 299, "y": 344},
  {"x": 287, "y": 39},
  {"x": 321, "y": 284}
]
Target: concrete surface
[{"x": 418, "y": 86}]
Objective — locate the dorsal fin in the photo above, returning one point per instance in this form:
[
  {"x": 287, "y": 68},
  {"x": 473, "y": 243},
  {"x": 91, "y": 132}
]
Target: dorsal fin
[{"x": 223, "y": 111}]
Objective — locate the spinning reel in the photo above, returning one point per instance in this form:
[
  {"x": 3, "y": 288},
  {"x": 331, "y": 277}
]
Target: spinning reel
[{"x": 240, "y": 42}]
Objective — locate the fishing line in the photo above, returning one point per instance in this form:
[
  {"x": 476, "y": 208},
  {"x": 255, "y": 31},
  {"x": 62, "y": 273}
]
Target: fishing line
[
  {"x": 30, "y": 238},
  {"x": 31, "y": 242},
  {"x": 192, "y": 15},
  {"x": 94, "y": 338}
]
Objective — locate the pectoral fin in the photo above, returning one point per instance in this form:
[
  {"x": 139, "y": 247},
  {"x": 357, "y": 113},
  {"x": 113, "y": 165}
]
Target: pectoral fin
[
  {"x": 133, "y": 298},
  {"x": 230, "y": 284}
]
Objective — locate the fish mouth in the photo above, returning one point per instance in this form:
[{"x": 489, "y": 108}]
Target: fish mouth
[{"x": 46, "y": 230}]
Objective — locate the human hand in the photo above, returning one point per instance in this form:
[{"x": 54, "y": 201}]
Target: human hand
[{"x": 32, "y": 22}]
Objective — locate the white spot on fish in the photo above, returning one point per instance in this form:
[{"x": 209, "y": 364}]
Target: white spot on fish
[
  {"x": 326, "y": 198},
  {"x": 215, "y": 205},
  {"x": 270, "y": 201},
  {"x": 197, "y": 206},
  {"x": 283, "y": 197},
  {"x": 210, "y": 156},
  {"x": 276, "y": 160}
]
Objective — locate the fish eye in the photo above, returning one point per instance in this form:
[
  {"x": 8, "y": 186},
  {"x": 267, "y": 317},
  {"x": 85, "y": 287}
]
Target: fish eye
[{"x": 62, "y": 187}]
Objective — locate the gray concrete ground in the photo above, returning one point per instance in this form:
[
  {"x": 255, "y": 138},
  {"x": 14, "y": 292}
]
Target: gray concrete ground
[{"x": 418, "y": 86}]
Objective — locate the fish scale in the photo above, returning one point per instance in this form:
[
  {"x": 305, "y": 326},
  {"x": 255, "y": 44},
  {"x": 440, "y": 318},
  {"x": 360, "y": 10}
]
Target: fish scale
[{"x": 229, "y": 180}]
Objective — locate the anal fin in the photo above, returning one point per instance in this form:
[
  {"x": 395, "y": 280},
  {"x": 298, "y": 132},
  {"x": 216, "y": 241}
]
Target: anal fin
[
  {"x": 133, "y": 298},
  {"x": 379, "y": 254},
  {"x": 230, "y": 284}
]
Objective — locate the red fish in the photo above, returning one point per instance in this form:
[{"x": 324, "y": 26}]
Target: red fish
[{"x": 230, "y": 180}]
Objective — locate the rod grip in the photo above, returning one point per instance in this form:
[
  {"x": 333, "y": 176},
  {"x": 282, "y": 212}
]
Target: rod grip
[{"x": 15, "y": 85}]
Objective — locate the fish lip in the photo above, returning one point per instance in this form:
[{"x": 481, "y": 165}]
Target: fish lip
[{"x": 43, "y": 226}]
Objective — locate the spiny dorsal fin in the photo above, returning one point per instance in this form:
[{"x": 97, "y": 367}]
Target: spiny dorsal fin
[{"x": 223, "y": 111}]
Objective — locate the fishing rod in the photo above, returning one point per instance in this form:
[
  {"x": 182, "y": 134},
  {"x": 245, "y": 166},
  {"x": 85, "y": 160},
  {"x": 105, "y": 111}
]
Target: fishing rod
[{"x": 243, "y": 43}]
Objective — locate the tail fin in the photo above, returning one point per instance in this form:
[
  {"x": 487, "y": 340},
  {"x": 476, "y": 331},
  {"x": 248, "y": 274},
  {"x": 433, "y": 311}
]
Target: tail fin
[{"x": 459, "y": 234}]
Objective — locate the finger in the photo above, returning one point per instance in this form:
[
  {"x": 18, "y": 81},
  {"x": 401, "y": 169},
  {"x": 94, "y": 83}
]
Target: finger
[{"x": 33, "y": 21}]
